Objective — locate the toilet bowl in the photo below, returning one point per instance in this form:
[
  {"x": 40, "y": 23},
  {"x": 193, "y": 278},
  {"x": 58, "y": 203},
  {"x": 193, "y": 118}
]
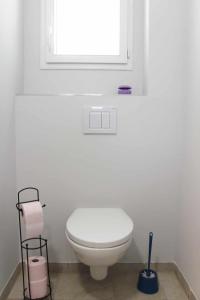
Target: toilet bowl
[{"x": 99, "y": 237}]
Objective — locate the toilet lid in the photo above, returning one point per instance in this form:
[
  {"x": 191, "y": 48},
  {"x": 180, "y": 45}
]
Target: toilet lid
[{"x": 99, "y": 227}]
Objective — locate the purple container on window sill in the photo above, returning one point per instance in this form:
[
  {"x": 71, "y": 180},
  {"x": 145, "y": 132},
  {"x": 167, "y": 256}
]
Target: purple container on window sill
[{"x": 124, "y": 90}]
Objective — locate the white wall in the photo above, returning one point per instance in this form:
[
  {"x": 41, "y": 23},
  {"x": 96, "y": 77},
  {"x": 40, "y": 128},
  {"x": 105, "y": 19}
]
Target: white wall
[
  {"x": 139, "y": 169},
  {"x": 78, "y": 81},
  {"x": 10, "y": 83},
  {"x": 188, "y": 255}
]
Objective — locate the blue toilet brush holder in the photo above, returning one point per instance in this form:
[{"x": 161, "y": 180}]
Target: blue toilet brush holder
[{"x": 148, "y": 279}]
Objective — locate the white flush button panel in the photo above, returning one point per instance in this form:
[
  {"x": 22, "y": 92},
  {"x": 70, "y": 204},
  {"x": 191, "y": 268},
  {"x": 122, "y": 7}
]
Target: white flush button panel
[{"x": 100, "y": 120}]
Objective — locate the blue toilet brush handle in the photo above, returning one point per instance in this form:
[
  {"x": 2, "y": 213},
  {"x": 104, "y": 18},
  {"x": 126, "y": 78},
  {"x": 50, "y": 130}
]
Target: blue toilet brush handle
[{"x": 150, "y": 250}]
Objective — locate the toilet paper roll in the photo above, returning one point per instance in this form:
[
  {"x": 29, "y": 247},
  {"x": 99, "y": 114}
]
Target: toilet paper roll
[
  {"x": 38, "y": 289},
  {"x": 33, "y": 219},
  {"x": 37, "y": 268}
]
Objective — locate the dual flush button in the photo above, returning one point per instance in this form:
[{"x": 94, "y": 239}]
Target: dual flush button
[{"x": 100, "y": 120}]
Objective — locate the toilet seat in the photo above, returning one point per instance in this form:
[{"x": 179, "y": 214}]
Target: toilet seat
[{"x": 99, "y": 227}]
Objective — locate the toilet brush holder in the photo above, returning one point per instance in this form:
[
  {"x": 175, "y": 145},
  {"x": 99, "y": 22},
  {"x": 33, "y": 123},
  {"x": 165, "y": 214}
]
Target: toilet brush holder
[
  {"x": 148, "y": 279},
  {"x": 148, "y": 282}
]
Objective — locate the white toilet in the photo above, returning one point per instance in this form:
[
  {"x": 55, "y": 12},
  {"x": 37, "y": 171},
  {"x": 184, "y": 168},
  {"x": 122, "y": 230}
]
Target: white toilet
[{"x": 99, "y": 237}]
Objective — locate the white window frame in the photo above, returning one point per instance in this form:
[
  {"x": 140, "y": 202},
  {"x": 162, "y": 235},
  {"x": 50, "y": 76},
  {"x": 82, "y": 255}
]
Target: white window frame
[{"x": 49, "y": 60}]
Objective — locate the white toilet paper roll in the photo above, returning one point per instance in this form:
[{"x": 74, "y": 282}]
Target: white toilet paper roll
[{"x": 33, "y": 218}]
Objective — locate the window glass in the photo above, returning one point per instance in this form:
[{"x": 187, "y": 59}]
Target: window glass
[{"x": 86, "y": 27}]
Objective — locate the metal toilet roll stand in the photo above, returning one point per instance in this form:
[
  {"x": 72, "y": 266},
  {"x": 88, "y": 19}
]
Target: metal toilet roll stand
[{"x": 37, "y": 244}]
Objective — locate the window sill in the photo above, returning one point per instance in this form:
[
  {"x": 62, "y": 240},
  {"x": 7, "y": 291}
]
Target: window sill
[{"x": 63, "y": 66}]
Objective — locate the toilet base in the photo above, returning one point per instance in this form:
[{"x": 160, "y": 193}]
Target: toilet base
[
  {"x": 98, "y": 272},
  {"x": 99, "y": 259}
]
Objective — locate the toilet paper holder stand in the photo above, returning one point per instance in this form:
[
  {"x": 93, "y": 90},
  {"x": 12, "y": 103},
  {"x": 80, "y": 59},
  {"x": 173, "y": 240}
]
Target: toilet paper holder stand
[{"x": 33, "y": 244}]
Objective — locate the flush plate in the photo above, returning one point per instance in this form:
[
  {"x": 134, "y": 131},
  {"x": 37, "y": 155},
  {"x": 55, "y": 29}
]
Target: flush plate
[{"x": 99, "y": 120}]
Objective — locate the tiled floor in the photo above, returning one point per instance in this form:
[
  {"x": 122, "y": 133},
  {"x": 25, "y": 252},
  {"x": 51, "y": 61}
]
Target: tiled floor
[{"x": 120, "y": 285}]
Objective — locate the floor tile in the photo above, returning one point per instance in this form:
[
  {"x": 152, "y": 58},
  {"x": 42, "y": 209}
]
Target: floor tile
[{"x": 121, "y": 284}]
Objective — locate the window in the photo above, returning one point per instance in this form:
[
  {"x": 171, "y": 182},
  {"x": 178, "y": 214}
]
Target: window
[{"x": 76, "y": 33}]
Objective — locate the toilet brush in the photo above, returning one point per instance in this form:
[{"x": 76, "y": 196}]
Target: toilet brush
[{"x": 148, "y": 279}]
